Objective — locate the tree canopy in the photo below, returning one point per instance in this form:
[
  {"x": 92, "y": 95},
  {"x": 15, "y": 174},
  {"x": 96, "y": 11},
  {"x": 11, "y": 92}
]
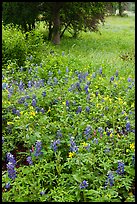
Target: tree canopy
[{"x": 59, "y": 16}]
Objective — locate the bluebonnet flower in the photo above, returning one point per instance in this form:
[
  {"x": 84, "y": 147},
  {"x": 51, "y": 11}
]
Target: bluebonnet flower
[
  {"x": 27, "y": 97},
  {"x": 67, "y": 69},
  {"x": 7, "y": 186},
  {"x": 128, "y": 126},
  {"x": 111, "y": 79},
  {"x": 17, "y": 112},
  {"x": 10, "y": 158},
  {"x": 96, "y": 93},
  {"x": 29, "y": 160},
  {"x": 100, "y": 129},
  {"x": 79, "y": 110},
  {"x": 63, "y": 53},
  {"x": 14, "y": 110},
  {"x": 107, "y": 150},
  {"x": 21, "y": 100},
  {"x": 116, "y": 73},
  {"x": 59, "y": 134},
  {"x": 44, "y": 93},
  {"x": 21, "y": 86},
  {"x": 59, "y": 72},
  {"x": 34, "y": 102},
  {"x": 87, "y": 131},
  {"x": 42, "y": 192},
  {"x": 83, "y": 185},
  {"x": 26, "y": 104},
  {"x": 29, "y": 70},
  {"x": 94, "y": 75},
  {"x": 95, "y": 140},
  {"x": 73, "y": 147},
  {"x": 100, "y": 70},
  {"x": 42, "y": 110},
  {"x": 38, "y": 148},
  {"x": 88, "y": 97},
  {"x": 54, "y": 144},
  {"x": 29, "y": 84},
  {"x": 129, "y": 79},
  {"x": 78, "y": 86},
  {"x": 50, "y": 73},
  {"x": 120, "y": 169},
  {"x": 4, "y": 85},
  {"x": 33, "y": 96},
  {"x": 110, "y": 179},
  {"x": 86, "y": 89},
  {"x": 87, "y": 109},
  {"x": 11, "y": 170},
  {"x": 55, "y": 80},
  {"x": 67, "y": 103}
]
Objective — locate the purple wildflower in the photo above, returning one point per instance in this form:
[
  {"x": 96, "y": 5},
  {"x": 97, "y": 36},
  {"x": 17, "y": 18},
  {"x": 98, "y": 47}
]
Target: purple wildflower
[
  {"x": 38, "y": 148},
  {"x": 110, "y": 179},
  {"x": 83, "y": 185},
  {"x": 42, "y": 192},
  {"x": 86, "y": 89},
  {"x": 7, "y": 186},
  {"x": 11, "y": 170},
  {"x": 79, "y": 110},
  {"x": 120, "y": 169},
  {"x": 95, "y": 140},
  {"x": 21, "y": 86},
  {"x": 54, "y": 144},
  {"x": 10, "y": 158},
  {"x": 59, "y": 134},
  {"x": 129, "y": 79},
  {"x": 111, "y": 79},
  {"x": 73, "y": 147},
  {"x": 29, "y": 160},
  {"x": 44, "y": 93},
  {"x": 128, "y": 126},
  {"x": 67, "y": 103},
  {"x": 87, "y": 109},
  {"x": 34, "y": 102},
  {"x": 116, "y": 73},
  {"x": 67, "y": 70},
  {"x": 17, "y": 112},
  {"x": 42, "y": 110},
  {"x": 100, "y": 70},
  {"x": 29, "y": 84}
]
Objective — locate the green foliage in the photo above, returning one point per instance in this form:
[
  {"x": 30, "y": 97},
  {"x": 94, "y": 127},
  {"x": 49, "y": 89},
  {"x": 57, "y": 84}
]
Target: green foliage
[
  {"x": 15, "y": 46},
  {"x": 69, "y": 155}
]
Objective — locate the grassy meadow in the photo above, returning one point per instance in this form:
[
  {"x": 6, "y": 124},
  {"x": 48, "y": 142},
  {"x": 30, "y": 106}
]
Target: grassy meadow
[{"x": 68, "y": 115}]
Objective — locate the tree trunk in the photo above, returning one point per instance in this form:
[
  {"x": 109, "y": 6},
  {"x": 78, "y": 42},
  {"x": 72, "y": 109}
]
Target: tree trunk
[
  {"x": 50, "y": 31},
  {"x": 120, "y": 8},
  {"x": 56, "y": 27}
]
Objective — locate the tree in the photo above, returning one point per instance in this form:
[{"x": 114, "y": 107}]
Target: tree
[
  {"x": 20, "y": 13},
  {"x": 59, "y": 16},
  {"x": 76, "y": 16}
]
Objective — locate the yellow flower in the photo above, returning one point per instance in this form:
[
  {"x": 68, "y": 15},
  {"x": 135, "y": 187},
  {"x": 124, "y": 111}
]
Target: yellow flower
[
  {"x": 127, "y": 150},
  {"x": 132, "y": 146},
  {"x": 88, "y": 78},
  {"x": 71, "y": 154},
  {"x": 10, "y": 123},
  {"x": 111, "y": 135},
  {"x": 32, "y": 113},
  {"x": 104, "y": 133},
  {"x": 63, "y": 103},
  {"x": 31, "y": 108},
  {"x": 49, "y": 110},
  {"x": 21, "y": 112},
  {"x": 84, "y": 144}
]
